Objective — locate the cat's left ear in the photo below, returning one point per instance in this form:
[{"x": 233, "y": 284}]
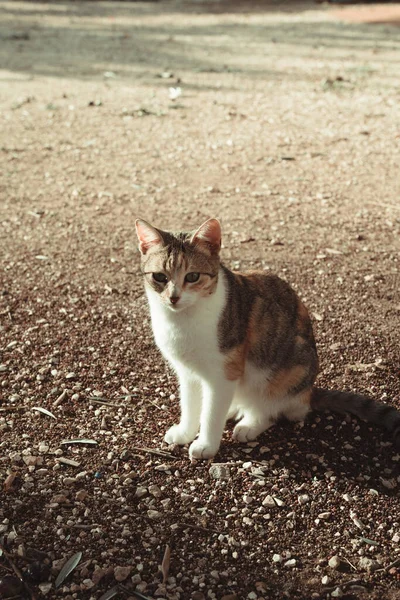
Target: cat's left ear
[
  {"x": 148, "y": 235},
  {"x": 209, "y": 234}
]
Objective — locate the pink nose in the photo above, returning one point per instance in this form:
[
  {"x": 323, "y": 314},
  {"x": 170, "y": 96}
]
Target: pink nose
[{"x": 174, "y": 299}]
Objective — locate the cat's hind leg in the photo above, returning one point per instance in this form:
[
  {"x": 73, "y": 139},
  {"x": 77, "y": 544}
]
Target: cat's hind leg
[
  {"x": 257, "y": 413},
  {"x": 296, "y": 408}
]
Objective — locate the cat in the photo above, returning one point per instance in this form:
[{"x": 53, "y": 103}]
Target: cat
[{"x": 242, "y": 345}]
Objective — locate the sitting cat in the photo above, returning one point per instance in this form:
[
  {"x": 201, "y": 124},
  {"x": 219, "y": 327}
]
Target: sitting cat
[{"x": 242, "y": 345}]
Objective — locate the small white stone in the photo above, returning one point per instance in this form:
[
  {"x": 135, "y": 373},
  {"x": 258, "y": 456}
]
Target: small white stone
[
  {"x": 269, "y": 501},
  {"x": 337, "y": 593},
  {"x": 324, "y": 515},
  {"x": 303, "y": 499},
  {"x": 277, "y": 558},
  {"x": 325, "y": 580},
  {"x": 396, "y": 538},
  {"x": 45, "y": 588},
  {"x": 290, "y": 563},
  {"x": 217, "y": 471}
]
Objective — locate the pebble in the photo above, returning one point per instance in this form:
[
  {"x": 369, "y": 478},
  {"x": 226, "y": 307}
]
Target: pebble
[
  {"x": 217, "y": 471},
  {"x": 396, "y": 538},
  {"x": 31, "y": 461},
  {"x": 42, "y": 472},
  {"x": 324, "y": 515},
  {"x": 325, "y": 580},
  {"x": 215, "y": 575},
  {"x": 198, "y": 596},
  {"x": 155, "y": 491},
  {"x": 59, "y": 499},
  {"x": 154, "y": 514},
  {"x": 369, "y": 564},
  {"x": 81, "y": 495},
  {"x": 43, "y": 447},
  {"x": 303, "y": 499},
  {"x": 290, "y": 563},
  {"x": 140, "y": 492},
  {"x": 58, "y": 564},
  {"x": 45, "y": 587},
  {"x": 277, "y": 558},
  {"x": 335, "y": 562},
  {"x": 389, "y": 484},
  {"x": 122, "y": 573},
  {"x": 337, "y": 593},
  {"x": 69, "y": 481},
  {"x": 269, "y": 501},
  {"x": 248, "y": 499}
]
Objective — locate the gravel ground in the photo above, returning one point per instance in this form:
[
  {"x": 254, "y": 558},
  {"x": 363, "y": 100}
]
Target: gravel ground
[{"x": 287, "y": 129}]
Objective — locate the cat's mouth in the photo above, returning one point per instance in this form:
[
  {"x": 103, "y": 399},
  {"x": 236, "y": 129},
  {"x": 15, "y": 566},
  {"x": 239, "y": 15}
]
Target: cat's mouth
[{"x": 176, "y": 307}]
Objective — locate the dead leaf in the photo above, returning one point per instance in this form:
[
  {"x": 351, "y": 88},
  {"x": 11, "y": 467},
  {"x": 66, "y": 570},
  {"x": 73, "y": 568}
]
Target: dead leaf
[
  {"x": 69, "y": 462},
  {"x": 44, "y": 411},
  {"x": 69, "y": 566},
  {"x": 8, "y": 483},
  {"x": 110, "y": 593},
  {"x": 83, "y": 441},
  {"x": 165, "y": 563}
]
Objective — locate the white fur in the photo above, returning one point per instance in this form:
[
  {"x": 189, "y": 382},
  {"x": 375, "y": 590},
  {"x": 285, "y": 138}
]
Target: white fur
[{"x": 187, "y": 336}]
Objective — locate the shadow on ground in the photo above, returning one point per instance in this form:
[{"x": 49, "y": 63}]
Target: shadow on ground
[{"x": 85, "y": 40}]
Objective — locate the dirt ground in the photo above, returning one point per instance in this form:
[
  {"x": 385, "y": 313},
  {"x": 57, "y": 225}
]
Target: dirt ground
[{"x": 284, "y": 122}]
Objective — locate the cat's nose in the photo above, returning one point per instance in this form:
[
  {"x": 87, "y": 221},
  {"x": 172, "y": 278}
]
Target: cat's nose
[{"x": 174, "y": 299}]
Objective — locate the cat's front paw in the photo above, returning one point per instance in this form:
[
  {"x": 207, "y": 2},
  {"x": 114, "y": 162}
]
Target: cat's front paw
[
  {"x": 177, "y": 435},
  {"x": 202, "y": 451}
]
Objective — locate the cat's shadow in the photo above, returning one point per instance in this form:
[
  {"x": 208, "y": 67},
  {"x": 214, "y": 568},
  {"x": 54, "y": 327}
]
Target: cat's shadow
[{"x": 326, "y": 446}]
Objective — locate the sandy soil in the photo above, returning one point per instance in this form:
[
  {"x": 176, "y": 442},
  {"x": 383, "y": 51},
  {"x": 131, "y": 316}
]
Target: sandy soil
[{"x": 288, "y": 130}]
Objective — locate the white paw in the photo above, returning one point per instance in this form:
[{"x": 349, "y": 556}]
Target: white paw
[
  {"x": 246, "y": 433},
  {"x": 176, "y": 435},
  {"x": 202, "y": 451}
]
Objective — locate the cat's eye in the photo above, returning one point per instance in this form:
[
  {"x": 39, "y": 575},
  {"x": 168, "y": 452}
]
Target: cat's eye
[
  {"x": 192, "y": 277},
  {"x": 160, "y": 277}
]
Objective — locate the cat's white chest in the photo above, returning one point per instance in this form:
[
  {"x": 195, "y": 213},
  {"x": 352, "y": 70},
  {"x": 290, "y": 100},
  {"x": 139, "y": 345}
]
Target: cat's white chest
[{"x": 189, "y": 338}]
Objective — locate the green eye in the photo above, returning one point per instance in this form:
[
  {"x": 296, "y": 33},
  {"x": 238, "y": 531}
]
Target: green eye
[
  {"x": 192, "y": 277},
  {"x": 160, "y": 277}
]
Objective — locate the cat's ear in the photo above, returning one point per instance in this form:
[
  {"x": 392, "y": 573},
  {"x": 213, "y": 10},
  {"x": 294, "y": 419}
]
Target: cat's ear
[
  {"x": 149, "y": 236},
  {"x": 209, "y": 234}
]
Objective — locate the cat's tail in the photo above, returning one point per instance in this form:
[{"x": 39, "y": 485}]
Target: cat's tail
[{"x": 364, "y": 408}]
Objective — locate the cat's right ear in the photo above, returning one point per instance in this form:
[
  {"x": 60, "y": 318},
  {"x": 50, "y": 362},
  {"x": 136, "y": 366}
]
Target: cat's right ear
[
  {"x": 209, "y": 234},
  {"x": 149, "y": 236}
]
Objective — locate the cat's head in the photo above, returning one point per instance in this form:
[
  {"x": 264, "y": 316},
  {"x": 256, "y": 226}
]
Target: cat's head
[{"x": 180, "y": 268}]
